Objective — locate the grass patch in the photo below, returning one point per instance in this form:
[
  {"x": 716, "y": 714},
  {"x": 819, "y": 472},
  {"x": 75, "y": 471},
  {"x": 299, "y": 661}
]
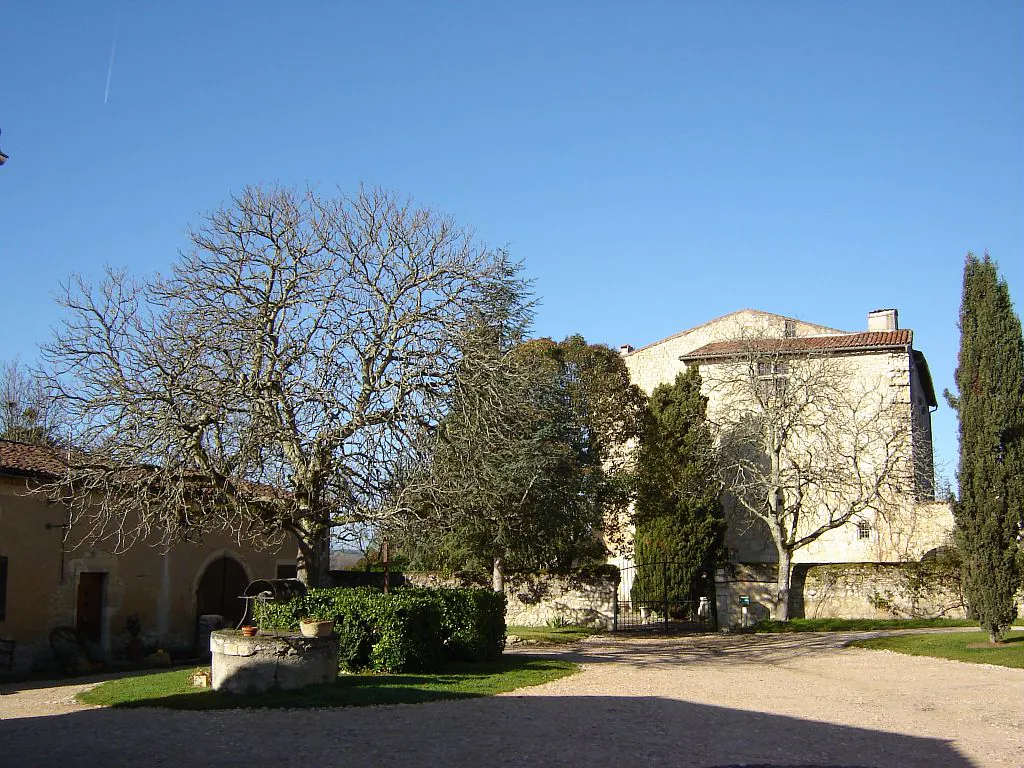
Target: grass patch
[
  {"x": 553, "y": 635},
  {"x": 459, "y": 681},
  {"x": 846, "y": 625},
  {"x": 972, "y": 647}
]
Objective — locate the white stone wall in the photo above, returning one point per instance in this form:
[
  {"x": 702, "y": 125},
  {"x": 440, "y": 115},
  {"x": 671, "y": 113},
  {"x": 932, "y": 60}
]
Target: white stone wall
[{"x": 536, "y": 601}]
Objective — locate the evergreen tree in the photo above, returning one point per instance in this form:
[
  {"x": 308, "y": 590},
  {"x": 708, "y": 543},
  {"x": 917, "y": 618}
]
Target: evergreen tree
[
  {"x": 990, "y": 404},
  {"x": 526, "y": 468},
  {"x": 679, "y": 520}
]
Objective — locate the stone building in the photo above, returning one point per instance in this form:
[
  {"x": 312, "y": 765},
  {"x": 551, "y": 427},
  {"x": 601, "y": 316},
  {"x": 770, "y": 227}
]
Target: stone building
[
  {"x": 880, "y": 360},
  {"x": 50, "y": 578}
]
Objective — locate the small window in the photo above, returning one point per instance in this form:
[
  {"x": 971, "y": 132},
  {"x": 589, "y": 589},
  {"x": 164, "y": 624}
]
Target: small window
[
  {"x": 3, "y": 588},
  {"x": 287, "y": 571},
  {"x": 772, "y": 368},
  {"x": 789, "y": 329},
  {"x": 863, "y": 529}
]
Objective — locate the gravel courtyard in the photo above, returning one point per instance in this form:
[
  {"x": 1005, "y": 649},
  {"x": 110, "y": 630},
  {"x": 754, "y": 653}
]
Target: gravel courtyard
[{"x": 717, "y": 700}]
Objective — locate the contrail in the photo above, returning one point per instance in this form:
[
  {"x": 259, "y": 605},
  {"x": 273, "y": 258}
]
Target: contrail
[{"x": 110, "y": 68}]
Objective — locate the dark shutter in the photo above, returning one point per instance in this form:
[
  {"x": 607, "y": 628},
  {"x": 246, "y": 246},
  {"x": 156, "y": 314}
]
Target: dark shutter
[{"x": 3, "y": 588}]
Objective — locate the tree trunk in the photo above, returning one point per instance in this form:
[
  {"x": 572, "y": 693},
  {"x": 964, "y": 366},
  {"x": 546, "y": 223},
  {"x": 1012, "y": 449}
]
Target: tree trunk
[
  {"x": 313, "y": 560},
  {"x": 783, "y": 581},
  {"x": 498, "y": 574}
]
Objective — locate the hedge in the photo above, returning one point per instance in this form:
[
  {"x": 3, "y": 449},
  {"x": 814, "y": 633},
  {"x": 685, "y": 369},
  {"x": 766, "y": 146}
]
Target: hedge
[
  {"x": 409, "y": 630},
  {"x": 472, "y": 620}
]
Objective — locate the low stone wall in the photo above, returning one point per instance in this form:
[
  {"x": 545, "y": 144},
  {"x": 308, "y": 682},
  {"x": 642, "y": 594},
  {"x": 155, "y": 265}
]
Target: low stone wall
[
  {"x": 840, "y": 591},
  {"x": 271, "y": 661},
  {"x": 587, "y": 601},
  {"x": 873, "y": 591},
  {"x": 584, "y": 599}
]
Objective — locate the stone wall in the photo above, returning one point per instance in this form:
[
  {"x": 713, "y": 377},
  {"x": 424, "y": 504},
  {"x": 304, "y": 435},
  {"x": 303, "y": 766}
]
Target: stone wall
[
  {"x": 841, "y": 591},
  {"x": 874, "y": 591},
  {"x": 588, "y": 601},
  {"x": 585, "y": 599}
]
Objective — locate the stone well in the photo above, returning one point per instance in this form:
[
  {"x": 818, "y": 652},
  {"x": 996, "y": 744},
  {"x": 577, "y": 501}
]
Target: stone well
[{"x": 271, "y": 661}]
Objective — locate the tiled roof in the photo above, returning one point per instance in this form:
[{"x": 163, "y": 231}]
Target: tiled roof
[
  {"x": 25, "y": 459},
  {"x": 843, "y": 342}
]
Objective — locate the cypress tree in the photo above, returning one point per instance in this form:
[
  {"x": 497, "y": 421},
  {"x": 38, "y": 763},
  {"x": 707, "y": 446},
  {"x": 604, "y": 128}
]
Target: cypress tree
[
  {"x": 990, "y": 404},
  {"x": 678, "y": 515}
]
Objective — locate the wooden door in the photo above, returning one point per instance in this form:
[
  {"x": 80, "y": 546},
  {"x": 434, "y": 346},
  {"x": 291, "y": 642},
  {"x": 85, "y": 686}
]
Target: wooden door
[
  {"x": 89, "y": 613},
  {"x": 221, "y": 588}
]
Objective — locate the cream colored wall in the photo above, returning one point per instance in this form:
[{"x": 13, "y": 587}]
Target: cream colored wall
[
  {"x": 160, "y": 586},
  {"x": 886, "y": 374}
]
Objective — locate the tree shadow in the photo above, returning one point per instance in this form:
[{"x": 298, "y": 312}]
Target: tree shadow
[{"x": 496, "y": 732}]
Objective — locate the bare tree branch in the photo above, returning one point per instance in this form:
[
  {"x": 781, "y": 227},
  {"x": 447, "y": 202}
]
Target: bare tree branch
[
  {"x": 807, "y": 443},
  {"x": 272, "y": 382}
]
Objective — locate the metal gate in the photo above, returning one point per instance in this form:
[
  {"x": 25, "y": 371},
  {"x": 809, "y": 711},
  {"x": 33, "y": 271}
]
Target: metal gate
[{"x": 644, "y": 602}]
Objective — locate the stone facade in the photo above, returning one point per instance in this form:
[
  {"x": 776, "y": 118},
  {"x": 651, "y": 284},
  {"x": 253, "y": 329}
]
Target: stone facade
[{"x": 912, "y": 524}]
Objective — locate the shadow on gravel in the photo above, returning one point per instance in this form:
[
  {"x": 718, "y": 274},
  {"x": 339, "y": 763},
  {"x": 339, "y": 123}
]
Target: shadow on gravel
[
  {"x": 496, "y": 732},
  {"x": 707, "y": 648}
]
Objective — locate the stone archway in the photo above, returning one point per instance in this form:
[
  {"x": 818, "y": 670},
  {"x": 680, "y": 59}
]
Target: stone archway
[{"x": 220, "y": 588}]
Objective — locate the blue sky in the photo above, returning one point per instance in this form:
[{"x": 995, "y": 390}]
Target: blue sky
[{"x": 654, "y": 165}]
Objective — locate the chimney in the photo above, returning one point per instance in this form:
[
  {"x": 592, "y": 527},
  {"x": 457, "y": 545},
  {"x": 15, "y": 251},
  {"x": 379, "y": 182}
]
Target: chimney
[
  {"x": 625, "y": 349},
  {"x": 883, "y": 320}
]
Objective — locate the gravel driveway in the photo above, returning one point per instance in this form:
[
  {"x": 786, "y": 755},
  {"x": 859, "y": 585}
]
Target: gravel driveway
[{"x": 716, "y": 700}]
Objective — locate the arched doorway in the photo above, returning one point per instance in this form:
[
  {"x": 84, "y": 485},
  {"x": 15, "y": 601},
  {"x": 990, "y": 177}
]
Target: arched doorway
[{"x": 220, "y": 590}]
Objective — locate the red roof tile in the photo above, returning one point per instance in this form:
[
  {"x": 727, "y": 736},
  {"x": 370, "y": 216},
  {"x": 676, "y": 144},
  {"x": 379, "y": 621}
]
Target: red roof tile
[
  {"x": 841, "y": 342},
  {"x": 25, "y": 459}
]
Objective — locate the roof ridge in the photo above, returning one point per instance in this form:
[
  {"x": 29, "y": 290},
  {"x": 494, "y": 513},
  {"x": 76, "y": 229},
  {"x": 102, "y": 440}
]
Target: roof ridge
[{"x": 730, "y": 314}]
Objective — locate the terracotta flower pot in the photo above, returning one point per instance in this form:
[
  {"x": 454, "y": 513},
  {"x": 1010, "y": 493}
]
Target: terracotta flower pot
[
  {"x": 316, "y": 628},
  {"x": 248, "y": 631}
]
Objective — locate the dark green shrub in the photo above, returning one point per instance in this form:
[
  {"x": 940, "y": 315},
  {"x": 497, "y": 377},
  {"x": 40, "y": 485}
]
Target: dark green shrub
[
  {"x": 472, "y": 621},
  {"x": 409, "y": 630}
]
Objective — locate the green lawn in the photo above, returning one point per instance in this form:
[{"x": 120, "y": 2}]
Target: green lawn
[
  {"x": 553, "y": 635},
  {"x": 459, "y": 681},
  {"x": 841, "y": 625},
  {"x": 959, "y": 646}
]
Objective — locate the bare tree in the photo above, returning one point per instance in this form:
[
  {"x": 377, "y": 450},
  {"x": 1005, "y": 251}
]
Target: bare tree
[
  {"x": 271, "y": 384},
  {"x": 28, "y": 412},
  {"x": 806, "y": 445}
]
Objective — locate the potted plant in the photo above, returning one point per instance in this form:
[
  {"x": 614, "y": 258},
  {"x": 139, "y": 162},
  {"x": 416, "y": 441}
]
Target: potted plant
[{"x": 310, "y": 627}]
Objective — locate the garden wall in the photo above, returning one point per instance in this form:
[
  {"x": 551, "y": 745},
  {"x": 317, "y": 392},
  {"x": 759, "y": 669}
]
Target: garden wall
[
  {"x": 842, "y": 591},
  {"x": 585, "y": 599}
]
